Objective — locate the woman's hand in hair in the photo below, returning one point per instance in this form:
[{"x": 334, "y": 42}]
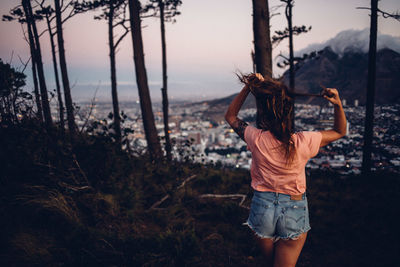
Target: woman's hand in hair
[
  {"x": 339, "y": 124},
  {"x": 260, "y": 77},
  {"x": 332, "y": 95},
  {"x": 255, "y": 79}
]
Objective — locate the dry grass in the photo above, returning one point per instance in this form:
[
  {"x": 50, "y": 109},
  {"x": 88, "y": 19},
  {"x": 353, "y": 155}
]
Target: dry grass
[
  {"x": 32, "y": 248},
  {"x": 45, "y": 198}
]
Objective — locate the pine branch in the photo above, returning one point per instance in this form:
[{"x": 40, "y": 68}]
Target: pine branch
[{"x": 395, "y": 15}]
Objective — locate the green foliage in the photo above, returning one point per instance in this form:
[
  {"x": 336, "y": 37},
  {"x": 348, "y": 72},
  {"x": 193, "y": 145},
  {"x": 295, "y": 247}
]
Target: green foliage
[
  {"x": 281, "y": 35},
  {"x": 118, "y": 7},
  {"x": 152, "y": 9},
  {"x": 14, "y": 102},
  {"x": 105, "y": 128}
]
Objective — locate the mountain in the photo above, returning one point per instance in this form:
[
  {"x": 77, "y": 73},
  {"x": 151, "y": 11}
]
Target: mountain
[
  {"x": 353, "y": 40},
  {"x": 342, "y": 65},
  {"x": 348, "y": 73}
]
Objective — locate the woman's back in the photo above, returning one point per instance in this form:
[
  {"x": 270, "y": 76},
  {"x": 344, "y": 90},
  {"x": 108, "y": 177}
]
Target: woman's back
[
  {"x": 270, "y": 170},
  {"x": 279, "y": 210}
]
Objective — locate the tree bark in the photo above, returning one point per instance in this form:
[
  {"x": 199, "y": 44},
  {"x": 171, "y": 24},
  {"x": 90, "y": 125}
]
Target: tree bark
[
  {"x": 36, "y": 91},
  {"x": 165, "y": 84},
  {"x": 39, "y": 64},
  {"x": 34, "y": 71},
  {"x": 291, "y": 54},
  {"x": 369, "y": 118},
  {"x": 64, "y": 72},
  {"x": 114, "y": 94},
  {"x": 288, "y": 13},
  {"x": 141, "y": 78},
  {"x": 262, "y": 40},
  {"x": 53, "y": 54}
]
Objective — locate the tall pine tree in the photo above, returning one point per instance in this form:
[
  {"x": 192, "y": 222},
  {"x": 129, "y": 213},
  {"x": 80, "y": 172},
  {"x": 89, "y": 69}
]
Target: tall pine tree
[
  {"x": 64, "y": 71},
  {"x": 165, "y": 10},
  {"x": 153, "y": 142},
  {"x": 369, "y": 118}
]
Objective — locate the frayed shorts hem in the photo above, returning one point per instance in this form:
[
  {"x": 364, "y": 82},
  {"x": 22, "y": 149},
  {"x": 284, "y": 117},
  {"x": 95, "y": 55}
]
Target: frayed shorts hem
[{"x": 293, "y": 236}]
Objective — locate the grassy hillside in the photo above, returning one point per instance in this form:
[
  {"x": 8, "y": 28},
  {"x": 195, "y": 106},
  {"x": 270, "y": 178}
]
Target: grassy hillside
[{"x": 92, "y": 204}]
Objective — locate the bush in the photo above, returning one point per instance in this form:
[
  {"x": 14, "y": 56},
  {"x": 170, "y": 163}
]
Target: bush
[{"x": 92, "y": 203}]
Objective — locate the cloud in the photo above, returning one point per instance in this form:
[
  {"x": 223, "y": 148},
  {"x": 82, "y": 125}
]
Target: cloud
[{"x": 354, "y": 40}]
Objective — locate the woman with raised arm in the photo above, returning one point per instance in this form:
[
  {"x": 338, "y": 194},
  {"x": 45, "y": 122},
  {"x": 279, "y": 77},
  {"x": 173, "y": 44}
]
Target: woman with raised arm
[{"x": 279, "y": 210}]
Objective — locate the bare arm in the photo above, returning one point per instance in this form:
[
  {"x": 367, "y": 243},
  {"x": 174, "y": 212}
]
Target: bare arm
[
  {"x": 231, "y": 114},
  {"x": 339, "y": 125}
]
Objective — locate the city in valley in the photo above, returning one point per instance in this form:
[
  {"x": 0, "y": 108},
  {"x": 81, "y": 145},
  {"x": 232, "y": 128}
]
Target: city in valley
[{"x": 199, "y": 138}]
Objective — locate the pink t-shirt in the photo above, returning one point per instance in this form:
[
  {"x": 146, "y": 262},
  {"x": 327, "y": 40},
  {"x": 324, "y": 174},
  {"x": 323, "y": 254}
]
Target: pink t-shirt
[{"x": 268, "y": 168}]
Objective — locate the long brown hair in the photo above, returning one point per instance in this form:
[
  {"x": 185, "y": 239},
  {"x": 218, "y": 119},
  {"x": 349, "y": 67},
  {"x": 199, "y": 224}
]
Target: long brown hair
[{"x": 274, "y": 109}]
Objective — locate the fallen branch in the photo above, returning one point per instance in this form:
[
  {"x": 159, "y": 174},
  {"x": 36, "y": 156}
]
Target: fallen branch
[
  {"x": 91, "y": 254},
  {"x": 158, "y": 203},
  {"x": 186, "y": 181},
  {"x": 242, "y": 196},
  {"x": 75, "y": 188},
  {"x": 45, "y": 165},
  {"x": 105, "y": 241}
]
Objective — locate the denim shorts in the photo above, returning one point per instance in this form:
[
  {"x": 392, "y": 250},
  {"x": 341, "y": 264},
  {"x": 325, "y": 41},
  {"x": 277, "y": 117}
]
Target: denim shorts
[{"x": 276, "y": 216}]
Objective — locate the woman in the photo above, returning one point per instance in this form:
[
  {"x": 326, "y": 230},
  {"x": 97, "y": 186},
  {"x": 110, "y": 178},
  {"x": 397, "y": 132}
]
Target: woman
[{"x": 279, "y": 212}]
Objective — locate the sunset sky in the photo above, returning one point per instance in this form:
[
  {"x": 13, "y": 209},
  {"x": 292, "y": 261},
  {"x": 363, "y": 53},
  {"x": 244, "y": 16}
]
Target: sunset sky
[{"x": 210, "y": 40}]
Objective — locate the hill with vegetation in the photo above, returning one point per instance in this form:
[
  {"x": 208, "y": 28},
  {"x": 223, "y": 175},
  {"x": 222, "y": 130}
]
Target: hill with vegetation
[
  {"x": 89, "y": 203},
  {"x": 349, "y": 73}
]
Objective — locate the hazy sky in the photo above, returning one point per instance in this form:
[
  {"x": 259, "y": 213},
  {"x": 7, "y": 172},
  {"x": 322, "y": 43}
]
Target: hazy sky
[{"x": 210, "y": 40}]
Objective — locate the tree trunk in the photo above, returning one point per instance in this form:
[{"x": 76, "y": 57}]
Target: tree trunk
[
  {"x": 39, "y": 64},
  {"x": 253, "y": 60},
  {"x": 59, "y": 96},
  {"x": 36, "y": 91},
  {"x": 141, "y": 78},
  {"x": 165, "y": 84},
  {"x": 288, "y": 13},
  {"x": 34, "y": 71},
  {"x": 291, "y": 55},
  {"x": 114, "y": 94},
  {"x": 64, "y": 72},
  {"x": 262, "y": 40},
  {"x": 369, "y": 118}
]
